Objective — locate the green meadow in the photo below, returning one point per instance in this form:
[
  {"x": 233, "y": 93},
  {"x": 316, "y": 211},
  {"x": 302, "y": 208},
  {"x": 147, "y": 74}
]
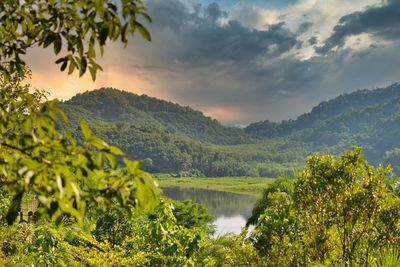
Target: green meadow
[{"x": 241, "y": 185}]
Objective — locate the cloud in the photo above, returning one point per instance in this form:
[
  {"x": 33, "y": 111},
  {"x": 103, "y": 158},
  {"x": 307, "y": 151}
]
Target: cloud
[
  {"x": 381, "y": 21},
  {"x": 244, "y": 63},
  {"x": 313, "y": 40},
  {"x": 304, "y": 27},
  {"x": 205, "y": 35}
]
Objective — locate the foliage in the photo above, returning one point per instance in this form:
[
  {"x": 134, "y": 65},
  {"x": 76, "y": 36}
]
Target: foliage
[
  {"x": 278, "y": 235},
  {"x": 176, "y": 139},
  {"x": 167, "y": 242},
  {"x": 341, "y": 212},
  {"x": 191, "y": 215},
  {"x": 38, "y": 158},
  {"x": 388, "y": 256},
  {"x": 393, "y": 184},
  {"x": 148, "y": 239},
  {"x": 349, "y": 196},
  {"x": 66, "y": 25},
  {"x": 180, "y": 140},
  {"x": 281, "y": 185},
  {"x": 112, "y": 105},
  {"x": 113, "y": 226},
  {"x": 230, "y": 250},
  {"x": 13, "y": 243},
  {"x": 4, "y": 202},
  {"x": 158, "y": 236}
]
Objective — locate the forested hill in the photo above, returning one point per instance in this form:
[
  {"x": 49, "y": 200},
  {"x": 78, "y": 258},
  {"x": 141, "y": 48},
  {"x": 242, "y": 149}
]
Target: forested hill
[
  {"x": 113, "y": 105},
  {"x": 334, "y": 110},
  {"x": 172, "y": 138}
]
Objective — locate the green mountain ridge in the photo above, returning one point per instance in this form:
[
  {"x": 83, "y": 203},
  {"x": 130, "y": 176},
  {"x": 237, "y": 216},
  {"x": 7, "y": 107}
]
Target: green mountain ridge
[
  {"x": 171, "y": 138},
  {"x": 334, "y": 108},
  {"x": 113, "y": 105}
]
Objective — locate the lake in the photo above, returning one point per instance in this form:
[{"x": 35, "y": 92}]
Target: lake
[{"x": 229, "y": 209}]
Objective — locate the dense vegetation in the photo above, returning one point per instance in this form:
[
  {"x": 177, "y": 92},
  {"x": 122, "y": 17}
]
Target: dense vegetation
[
  {"x": 337, "y": 211},
  {"x": 173, "y": 139},
  {"x": 98, "y": 208}
]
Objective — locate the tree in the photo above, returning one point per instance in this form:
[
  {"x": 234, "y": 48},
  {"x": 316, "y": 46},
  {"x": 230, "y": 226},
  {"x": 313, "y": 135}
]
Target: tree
[
  {"x": 75, "y": 28},
  {"x": 36, "y": 155},
  {"x": 341, "y": 202},
  {"x": 341, "y": 212},
  {"x": 278, "y": 235},
  {"x": 281, "y": 185}
]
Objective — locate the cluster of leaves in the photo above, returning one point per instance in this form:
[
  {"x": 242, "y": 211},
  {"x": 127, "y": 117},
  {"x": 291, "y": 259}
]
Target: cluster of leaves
[
  {"x": 282, "y": 185},
  {"x": 77, "y": 27},
  {"x": 157, "y": 238},
  {"x": 338, "y": 211},
  {"x": 231, "y": 250},
  {"x": 39, "y": 158},
  {"x": 191, "y": 215}
]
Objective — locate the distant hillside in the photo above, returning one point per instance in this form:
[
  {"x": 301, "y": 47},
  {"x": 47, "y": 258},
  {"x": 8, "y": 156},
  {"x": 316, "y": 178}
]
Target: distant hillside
[
  {"x": 175, "y": 139},
  {"x": 366, "y": 118},
  {"x": 112, "y": 105},
  {"x": 332, "y": 110}
]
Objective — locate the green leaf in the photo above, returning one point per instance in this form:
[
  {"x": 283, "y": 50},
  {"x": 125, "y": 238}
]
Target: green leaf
[
  {"x": 91, "y": 53},
  {"x": 58, "y": 61},
  {"x": 72, "y": 66},
  {"x": 143, "y": 31},
  {"x": 64, "y": 65},
  {"x": 101, "y": 47},
  {"x": 97, "y": 143},
  {"x": 48, "y": 39},
  {"x": 147, "y": 17},
  {"x": 57, "y": 44},
  {"x": 116, "y": 151},
  {"x": 12, "y": 212},
  {"x": 103, "y": 34},
  {"x": 93, "y": 72},
  {"x": 112, "y": 160},
  {"x": 82, "y": 66},
  {"x": 87, "y": 133},
  {"x": 124, "y": 32}
]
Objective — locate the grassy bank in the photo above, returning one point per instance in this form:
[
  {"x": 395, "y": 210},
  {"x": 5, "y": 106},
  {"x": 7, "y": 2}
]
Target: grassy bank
[{"x": 241, "y": 185}]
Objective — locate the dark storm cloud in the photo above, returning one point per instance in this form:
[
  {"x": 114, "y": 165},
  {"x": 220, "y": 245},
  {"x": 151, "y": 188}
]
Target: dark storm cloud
[
  {"x": 287, "y": 87},
  {"x": 380, "y": 21},
  {"x": 313, "y": 40},
  {"x": 214, "y": 12},
  {"x": 204, "y": 38},
  {"x": 201, "y": 59},
  {"x": 235, "y": 43},
  {"x": 170, "y": 13},
  {"x": 305, "y": 26}
]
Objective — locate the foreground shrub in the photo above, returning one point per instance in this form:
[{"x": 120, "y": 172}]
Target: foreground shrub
[{"x": 341, "y": 212}]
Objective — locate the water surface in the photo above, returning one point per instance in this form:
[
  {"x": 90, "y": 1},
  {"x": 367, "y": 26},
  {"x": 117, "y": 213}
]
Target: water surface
[{"x": 229, "y": 209}]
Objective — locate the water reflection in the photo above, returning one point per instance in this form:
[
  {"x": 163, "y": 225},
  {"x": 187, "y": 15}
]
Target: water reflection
[
  {"x": 230, "y": 210},
  {"x": 226, "y": 225}
]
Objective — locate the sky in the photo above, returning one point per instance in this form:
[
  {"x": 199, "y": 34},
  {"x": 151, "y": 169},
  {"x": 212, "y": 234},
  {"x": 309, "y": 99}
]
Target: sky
[{"x": 245, "y": 61}]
